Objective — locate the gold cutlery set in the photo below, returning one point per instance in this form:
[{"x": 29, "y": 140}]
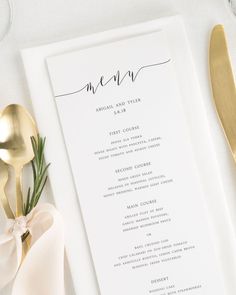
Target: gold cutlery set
[{"x": 16, "y": 129}]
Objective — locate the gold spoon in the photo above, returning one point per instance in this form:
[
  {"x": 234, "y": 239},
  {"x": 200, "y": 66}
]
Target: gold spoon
[
  {"x": 3, "y": 197},
  {"x": 16, "y": 129}
]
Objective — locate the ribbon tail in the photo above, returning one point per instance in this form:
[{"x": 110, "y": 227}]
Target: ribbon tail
[
  {"x": 10, "y": 257},
  {"x": 42, "y": 270}
]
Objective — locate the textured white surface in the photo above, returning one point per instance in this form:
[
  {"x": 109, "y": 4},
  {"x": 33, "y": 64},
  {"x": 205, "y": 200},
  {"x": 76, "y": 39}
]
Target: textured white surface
[{"x": 48, "y": 21}]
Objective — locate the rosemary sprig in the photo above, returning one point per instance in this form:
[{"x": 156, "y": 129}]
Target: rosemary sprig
[{"x": 39, "y": 169}]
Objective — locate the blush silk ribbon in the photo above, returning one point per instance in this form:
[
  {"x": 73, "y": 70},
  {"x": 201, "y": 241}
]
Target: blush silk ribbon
[{"x": 42, "y": 270}]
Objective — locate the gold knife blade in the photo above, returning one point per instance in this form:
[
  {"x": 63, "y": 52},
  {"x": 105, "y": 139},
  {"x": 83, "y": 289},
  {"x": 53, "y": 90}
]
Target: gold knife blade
[{"x": 223, "y": 85}]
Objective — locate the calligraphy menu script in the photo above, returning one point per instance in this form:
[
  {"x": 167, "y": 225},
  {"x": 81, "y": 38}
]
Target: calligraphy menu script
[{"x": 128, "y": 143}]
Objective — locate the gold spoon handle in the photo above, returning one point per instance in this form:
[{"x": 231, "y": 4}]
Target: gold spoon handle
[
  {"x": 26, "y": 245},
  {"x": 19, "y": 198},
  {"x": 3, "y": 198},
  {"x": 6, "y": 205}
]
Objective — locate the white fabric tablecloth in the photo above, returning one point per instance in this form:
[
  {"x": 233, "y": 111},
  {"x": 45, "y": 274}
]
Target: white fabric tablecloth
[{"x": 40, "y": 22}]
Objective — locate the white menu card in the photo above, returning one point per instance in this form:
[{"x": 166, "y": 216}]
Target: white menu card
[{"x": 127, "y": 139}]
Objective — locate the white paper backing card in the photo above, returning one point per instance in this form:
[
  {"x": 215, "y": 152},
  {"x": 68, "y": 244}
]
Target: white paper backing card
[{"x": 60, "y": 177}]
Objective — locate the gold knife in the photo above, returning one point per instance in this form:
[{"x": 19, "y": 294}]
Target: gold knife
[{"x": 223, "y": 85}]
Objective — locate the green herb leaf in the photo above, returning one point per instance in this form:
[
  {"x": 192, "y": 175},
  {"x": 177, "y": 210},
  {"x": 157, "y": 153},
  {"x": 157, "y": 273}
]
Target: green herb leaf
[{"x": 39, "y": 171}]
